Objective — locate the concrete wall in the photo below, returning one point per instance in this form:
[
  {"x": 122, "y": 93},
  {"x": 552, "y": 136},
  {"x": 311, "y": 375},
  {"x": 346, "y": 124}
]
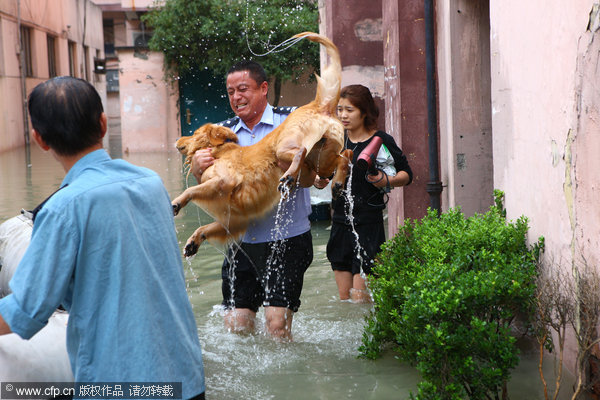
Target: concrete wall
[
  {"x": 464, "y": 84},
  {"x": 11, "y": 90},
  {"x": 406, "y": 103},
  {"x": 62, "y": 19},
  {"x": 148, "y": 104},
  {"x": 382, "y": 46},
  {"x": 545, "y": 108},
  {"x": 143, "y": 113},
  {"x": 355, "y": 27},
  {"x": 521, "y": 73}
]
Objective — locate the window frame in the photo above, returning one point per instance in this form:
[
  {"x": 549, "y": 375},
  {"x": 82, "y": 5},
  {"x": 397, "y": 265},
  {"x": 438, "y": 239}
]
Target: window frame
[
  {"x": 52, "y": 66},
  {"x": 25, "y": 32}
]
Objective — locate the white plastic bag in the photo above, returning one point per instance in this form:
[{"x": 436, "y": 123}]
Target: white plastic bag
[{"x": 385, "y": 161}]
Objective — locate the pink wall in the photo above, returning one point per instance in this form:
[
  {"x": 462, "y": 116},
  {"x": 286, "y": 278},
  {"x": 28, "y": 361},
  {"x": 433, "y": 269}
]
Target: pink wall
[
  {"x": 545, "y": 122},
  {"x": 149, "y": 113},
  {"x": 535, "y": 113}
]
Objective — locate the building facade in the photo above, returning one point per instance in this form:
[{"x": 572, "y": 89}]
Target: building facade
[
  {"x": 40, "y": 39},
  {"x": 516, "y": 109},
  {"x": 545, "y": 107},
  {"x": 370, "y": 45}
]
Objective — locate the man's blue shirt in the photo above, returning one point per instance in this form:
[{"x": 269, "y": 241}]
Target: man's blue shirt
[
  {"x": 105, "y": 248},
  {"x": 293, "y": 216}
]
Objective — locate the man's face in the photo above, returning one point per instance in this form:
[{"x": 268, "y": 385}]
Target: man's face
[{"x": 246, "y": 98}]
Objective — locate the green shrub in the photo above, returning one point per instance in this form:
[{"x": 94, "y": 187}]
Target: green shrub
[{"x": 446, "y": 289}]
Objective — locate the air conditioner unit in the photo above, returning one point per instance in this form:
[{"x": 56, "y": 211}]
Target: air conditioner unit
[
  {"x": 99, "y": 65},
  {"x": 140, "y": 39}
]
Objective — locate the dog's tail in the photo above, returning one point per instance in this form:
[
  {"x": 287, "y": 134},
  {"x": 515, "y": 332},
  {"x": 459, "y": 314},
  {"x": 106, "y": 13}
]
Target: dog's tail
[{"x": 328, "y": 88}]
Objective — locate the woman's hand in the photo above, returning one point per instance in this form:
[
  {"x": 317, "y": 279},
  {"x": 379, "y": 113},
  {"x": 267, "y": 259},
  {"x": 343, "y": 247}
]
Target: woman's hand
[
  {"x": 379, "y": 180},
  {"x": 201, "y": 160},
  {"x": 320, "y": 183},
  {"x": 382, "y": 180}
]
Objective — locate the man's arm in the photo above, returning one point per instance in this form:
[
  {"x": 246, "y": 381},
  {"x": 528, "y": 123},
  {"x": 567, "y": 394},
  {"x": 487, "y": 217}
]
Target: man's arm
[
  {"x": 201, "y": 160},
  {"x": 4, "y": 328}
]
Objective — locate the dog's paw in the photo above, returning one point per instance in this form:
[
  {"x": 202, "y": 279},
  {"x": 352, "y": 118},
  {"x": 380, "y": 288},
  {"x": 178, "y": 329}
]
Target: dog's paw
[
  {"x": 336, "y": 190},
  {"x": 285, "y": 182},
  {"x": 191, "y": 248},
  {"x": 176, "y": 208}
]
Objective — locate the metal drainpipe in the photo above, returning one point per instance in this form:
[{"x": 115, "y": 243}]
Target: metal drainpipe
[
  {"x": 434, "y": 186},
  {"x": 23, "y": 77}
]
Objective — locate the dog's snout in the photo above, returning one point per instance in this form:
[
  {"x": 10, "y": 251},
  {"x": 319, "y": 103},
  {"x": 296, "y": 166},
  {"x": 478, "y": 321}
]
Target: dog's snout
[{"x": 181, "y": 145}]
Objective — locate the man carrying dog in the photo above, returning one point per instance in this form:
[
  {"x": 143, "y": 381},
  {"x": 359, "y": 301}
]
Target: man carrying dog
[
  {"x": 104, "y": 247},
  {"x": 269, "y": 266}
]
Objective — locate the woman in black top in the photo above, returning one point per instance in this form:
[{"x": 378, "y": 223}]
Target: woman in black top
[{"x": 358, "y": 214}]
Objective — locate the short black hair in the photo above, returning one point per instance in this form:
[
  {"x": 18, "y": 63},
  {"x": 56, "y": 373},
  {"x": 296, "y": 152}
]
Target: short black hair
[
  {"x": 66, "y": 111},
  {"x": 256, "y": 71}
]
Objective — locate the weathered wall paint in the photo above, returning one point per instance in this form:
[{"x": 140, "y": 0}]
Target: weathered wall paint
[
  {"x": 355, "y": 27},
  {"x": 369, "y": 76},
  {"x": 545, "y": 125},
  {"x": 391, "y": 64},
  {"x": 149, "y": 113},
  {"x": 368, "y": 30},
  {"x": 464, "y": 104},
  {"x": 406, "y": 103},
  {"x": 586, "y": 143}
]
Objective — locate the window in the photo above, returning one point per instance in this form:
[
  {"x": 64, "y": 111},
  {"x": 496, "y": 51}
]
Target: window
[
  {"x": 72, "y": 59},
  {"x": 26, "y": 50},
  {"x": 109, "y": 37},
  {"x": 51, "y": 41},
  {"x": 112, "y": 81},
  {"x": 86, "y": 63}
]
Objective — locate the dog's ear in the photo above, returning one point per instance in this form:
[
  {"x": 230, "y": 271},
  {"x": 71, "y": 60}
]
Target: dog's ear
[{"x": 218, "y": 135}]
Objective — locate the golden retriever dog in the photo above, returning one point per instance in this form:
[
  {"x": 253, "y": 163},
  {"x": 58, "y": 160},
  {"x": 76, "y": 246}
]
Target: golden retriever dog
[{"x": 244, "y": 182}]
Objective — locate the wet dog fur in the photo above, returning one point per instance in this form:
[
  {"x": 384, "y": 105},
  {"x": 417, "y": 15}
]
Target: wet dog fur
[{"x": 245, "y": 182}]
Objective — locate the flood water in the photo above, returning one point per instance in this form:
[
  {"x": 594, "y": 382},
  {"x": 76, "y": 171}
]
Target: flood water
[{"x": 321, "y": 362}]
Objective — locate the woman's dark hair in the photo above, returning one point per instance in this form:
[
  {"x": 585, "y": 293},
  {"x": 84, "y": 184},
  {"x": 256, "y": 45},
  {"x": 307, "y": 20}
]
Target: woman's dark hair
[
  {"x": 256, "y": 71},
  {"x": 361, "y": 98},
  {"x": 66, "y": 111}
]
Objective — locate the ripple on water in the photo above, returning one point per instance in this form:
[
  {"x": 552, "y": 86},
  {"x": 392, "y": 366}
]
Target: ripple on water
[{"x": 322, "y": 361}]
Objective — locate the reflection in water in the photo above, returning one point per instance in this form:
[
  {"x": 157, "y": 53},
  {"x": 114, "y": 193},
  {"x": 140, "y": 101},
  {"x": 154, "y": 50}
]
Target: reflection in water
[{"x": 322, "y": 361}]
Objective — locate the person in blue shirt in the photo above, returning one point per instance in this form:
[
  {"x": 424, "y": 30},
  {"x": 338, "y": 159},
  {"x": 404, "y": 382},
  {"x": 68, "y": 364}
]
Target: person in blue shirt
[
  {"x": 268, "y": 267},
  {"x": 104, "y": 247}
]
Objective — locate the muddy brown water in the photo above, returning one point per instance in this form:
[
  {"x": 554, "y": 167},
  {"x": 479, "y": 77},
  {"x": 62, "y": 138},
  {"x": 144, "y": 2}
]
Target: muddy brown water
[{"x": 321, "y": 362}]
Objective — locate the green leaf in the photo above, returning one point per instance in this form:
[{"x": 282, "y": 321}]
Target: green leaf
[{"x": 215, "y": 34}]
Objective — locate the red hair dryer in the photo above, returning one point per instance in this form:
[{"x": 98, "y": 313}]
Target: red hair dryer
[{"x": 366, "y": 159}]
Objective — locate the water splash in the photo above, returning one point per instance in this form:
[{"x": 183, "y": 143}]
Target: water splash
[
  {"x": 232, "y": 263},
  {"x": 286, "y": 44},
  {"x": 349, "y": 209},
  {"x": 283, "y": 218}
]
